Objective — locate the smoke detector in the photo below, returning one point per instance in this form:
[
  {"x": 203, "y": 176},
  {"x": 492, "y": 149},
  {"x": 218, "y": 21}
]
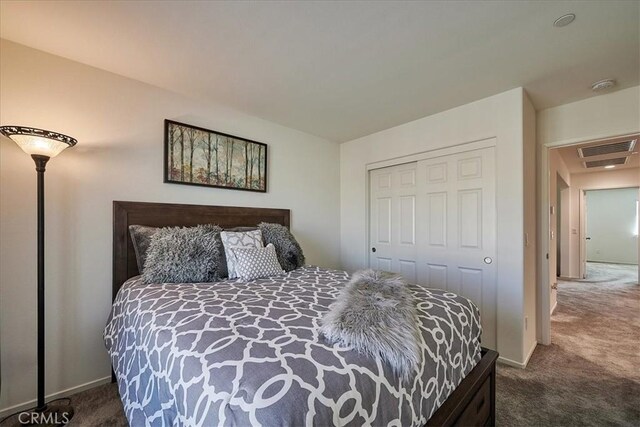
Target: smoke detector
[
  {"x": 564, "y": 20},
  {"x": 603, "y": 85}
]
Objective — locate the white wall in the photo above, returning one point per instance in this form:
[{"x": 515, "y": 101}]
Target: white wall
[
  {"x": 612, "y": 226},
  {"x": 599, "y": 117},
  {"x": 119, "y": 125},
  {"x": 566, "y": 231},
  {"x": 499, "y": 116},
  {"x": 557, "y": 167},
  {"x": 616, "y": 178},
  {"x": 530, "y": 252},
  {"x": 620, "y": 178}
]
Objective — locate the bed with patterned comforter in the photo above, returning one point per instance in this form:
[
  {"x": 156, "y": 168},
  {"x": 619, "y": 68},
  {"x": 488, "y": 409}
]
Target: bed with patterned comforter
[{"x": 249, "y": 353}]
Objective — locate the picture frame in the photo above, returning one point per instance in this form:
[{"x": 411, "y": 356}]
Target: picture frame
[{"x": 208, "y": 158}]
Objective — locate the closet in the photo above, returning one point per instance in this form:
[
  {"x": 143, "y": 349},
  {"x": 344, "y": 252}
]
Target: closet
[{"x": 434, "y": 221}]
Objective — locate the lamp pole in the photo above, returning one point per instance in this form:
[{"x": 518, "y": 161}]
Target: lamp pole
[{"x": 41, "y": 162}]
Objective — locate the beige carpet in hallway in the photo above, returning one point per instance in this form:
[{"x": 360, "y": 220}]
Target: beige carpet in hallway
[{"x": 590, "y": 374}]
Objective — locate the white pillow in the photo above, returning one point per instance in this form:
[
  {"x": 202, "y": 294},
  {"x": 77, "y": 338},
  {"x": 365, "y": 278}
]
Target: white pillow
[
  {"x": 239, "y": 239},
  {"x": 254, "y": 263}
]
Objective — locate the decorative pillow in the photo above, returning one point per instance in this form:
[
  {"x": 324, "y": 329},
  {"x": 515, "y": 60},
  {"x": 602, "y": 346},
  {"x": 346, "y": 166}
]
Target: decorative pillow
[
  {"x": 289, "y": 251},
  {"x": 241, "y": 229},
  {"x": 239, "y": 239},
  {"x": 183, "y": 255},
  {"x": 254, "y": 263},
  {"x": 141, "y": 238}
]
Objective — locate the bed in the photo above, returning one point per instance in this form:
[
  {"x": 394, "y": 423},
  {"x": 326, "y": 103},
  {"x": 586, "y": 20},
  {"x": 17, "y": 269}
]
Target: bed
[{"x": 248, "y": 353}]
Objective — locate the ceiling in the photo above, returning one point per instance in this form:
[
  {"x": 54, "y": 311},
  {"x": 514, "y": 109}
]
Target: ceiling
[
  {"x": 575, "y": 163},
  {"x": 342, "y": 70}
]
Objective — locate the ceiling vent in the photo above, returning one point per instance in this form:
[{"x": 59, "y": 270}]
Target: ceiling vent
[
  {"x": 601, "y": 163},
  {"x": 599, "y": 150}
]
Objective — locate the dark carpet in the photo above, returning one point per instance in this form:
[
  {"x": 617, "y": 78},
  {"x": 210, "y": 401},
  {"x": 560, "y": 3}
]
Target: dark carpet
[
  {"x": 99, "y": 406},
  {"x": 589, "y": 376}
]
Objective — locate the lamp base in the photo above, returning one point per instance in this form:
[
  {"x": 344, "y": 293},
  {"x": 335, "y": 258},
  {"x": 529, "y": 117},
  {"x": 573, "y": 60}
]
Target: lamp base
[{"x": 50, "y": 415}]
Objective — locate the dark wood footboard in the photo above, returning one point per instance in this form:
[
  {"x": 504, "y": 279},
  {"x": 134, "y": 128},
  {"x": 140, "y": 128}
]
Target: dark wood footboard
[{"x": 473, "y": 403}]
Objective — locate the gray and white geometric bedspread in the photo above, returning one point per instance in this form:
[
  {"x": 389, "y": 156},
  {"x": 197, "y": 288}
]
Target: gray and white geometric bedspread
[{"x": 248, "y": 353}]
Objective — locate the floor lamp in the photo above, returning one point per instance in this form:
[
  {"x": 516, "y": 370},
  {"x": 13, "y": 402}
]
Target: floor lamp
[{"x": 41, "y": 145}]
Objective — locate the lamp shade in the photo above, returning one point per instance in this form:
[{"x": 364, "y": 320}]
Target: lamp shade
[{"x": 38, "y": 142}]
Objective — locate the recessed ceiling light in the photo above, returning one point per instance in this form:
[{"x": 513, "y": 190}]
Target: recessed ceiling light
[
  {"x": 610, "y": 166},
  {"x": 564, "y": 20},
  {"x": 603, "y": 84}
]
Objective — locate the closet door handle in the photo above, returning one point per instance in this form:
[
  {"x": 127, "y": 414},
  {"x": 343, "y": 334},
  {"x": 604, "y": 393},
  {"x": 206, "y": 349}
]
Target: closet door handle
[{"x": 373, "y": 249}]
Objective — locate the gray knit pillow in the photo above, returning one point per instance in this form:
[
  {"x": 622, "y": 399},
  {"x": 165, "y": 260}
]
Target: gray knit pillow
[
  {"x": 183, "y": 255},
  {"x": 290, "y": 255},
  {"x": 243, "y": 239},
  {"x": 254, "y": 263}
]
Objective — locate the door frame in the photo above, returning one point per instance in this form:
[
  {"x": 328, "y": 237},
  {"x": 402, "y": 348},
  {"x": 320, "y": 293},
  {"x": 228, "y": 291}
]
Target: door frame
[
  {"x": 544, "y": 287},
  {"x": 582, "y": 215},
  {"x": 583, "y": 224}
]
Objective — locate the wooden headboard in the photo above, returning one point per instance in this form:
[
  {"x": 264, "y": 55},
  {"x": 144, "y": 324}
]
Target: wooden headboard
[{"x": 166, "y": 214}]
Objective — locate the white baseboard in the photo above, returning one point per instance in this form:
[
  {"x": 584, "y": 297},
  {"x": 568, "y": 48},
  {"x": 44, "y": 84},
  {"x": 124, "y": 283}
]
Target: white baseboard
[
  {"x": 509, "y": 362},
  {"x": 520, "y": 365},
  {"x": 554, "y": 307},
  {"x": 63, "y": 393},
  {"x": 531, "y": 350}
]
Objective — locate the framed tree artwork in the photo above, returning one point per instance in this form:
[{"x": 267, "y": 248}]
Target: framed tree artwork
[{"x": 197, "y": 156}]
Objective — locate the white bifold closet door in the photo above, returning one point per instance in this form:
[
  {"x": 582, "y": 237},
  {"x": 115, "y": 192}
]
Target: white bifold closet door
[
  {"x": 393, "y": 220},
  {"x": 434, "y": 222}
]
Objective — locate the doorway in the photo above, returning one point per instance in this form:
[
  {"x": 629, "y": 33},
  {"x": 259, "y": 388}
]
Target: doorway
[
  {"x": 571, "y": 170},
  {"x": 611, "y": 225}
]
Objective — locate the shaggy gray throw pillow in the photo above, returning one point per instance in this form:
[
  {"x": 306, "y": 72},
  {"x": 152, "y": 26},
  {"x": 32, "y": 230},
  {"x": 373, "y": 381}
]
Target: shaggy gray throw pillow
[
  {"x": 376, "y": 315},
  {"x": 184, "y": 255},
  {"x": 141, "y": 237},
  {"x": 289, "y": 252}
]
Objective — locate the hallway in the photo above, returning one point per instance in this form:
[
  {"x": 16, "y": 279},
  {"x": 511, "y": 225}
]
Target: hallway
[
  {"x": 598, "y": 272},
  {"x": 590, "y": 374}
]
